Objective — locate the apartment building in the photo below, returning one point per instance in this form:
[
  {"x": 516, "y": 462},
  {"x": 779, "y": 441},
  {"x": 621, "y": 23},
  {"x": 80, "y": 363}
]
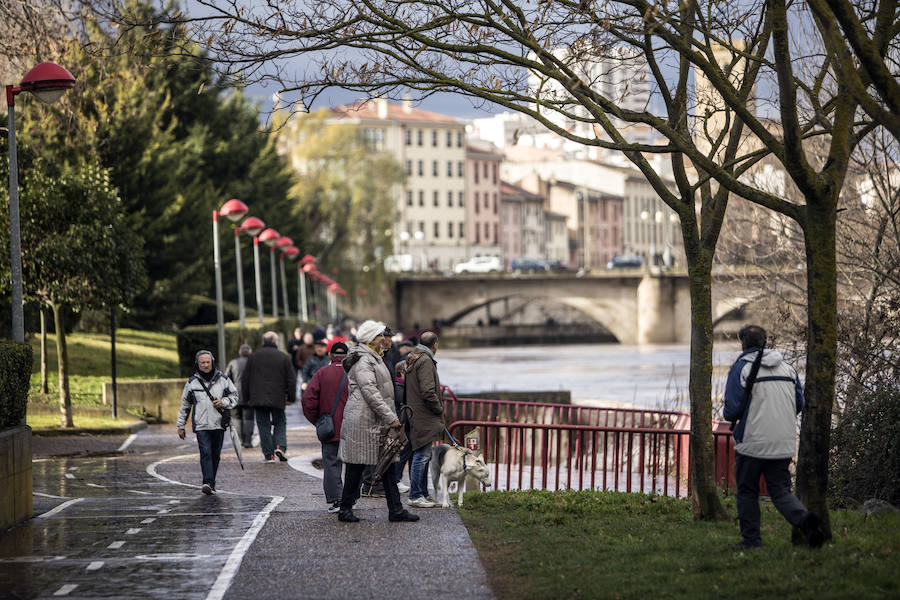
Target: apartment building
[
  {"x": 523, "y": 228},
  {"x": 431, "y": 206},
  {"x": 483, "y": 199}
]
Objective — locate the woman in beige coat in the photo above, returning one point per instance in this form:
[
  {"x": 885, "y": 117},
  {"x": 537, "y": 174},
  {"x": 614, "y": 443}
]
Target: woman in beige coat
[{"x": 369, "y": 412}]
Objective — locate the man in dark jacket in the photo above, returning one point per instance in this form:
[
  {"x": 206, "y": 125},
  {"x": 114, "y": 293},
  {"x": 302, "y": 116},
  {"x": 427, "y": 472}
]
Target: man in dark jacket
[
  {"x": 243, "y": 413},
  {"x": 268, "y": 383},
  {"x": 315, "y": 362},
  {"x": 318, "y": 400},
  {"x": 423, "y": 396},
  {"x": 765, "y": 439}
]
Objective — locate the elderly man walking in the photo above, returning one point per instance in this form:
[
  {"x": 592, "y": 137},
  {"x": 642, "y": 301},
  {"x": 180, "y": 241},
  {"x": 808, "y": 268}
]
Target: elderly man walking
[
  {"x": 243, "y": 413},
  {"x": 424, "y": 397},
  {"x": 268, "y": 383}
]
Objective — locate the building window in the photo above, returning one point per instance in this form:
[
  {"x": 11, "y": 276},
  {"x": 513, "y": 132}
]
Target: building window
[
  {"x": 421, "y": 169},
  {"x": 434, "y": 168},
  {"x": 408, "y": 134},
  {"x": 450, "y": 199},
  {"x": 459, "y": 169},
  {"x": 477, "y": 236},
  {"x": 418, "y": 137},
  {"x": 461, "y": 229},
  {"x": 495, "y": 203},
  {"x": 459, "y": 139},
  {"x": 437, "y": 230},
  {"x": 475, "y": 171},
  {"x": 449, "y": 139},
  {"x": 477, "y": 204},
  {"x": 421, "y": 227},
  {"x": 449, "y": 230},
  {"x": 494, "y": 171},
  {"x": 485, "y": 170},
  {"x": 495, "y": 233},
  {"x": 449, "y": 168},
  {"x": 409, "y": 167},
  {"x": 373, "y": 138},
  {"x": 487, "y": 201},
  {"x": 409, "y": 199},
  {"x": 462, "y": 202},
  {"x": 421, "y": 198},
  {"x": 434, "y": 198},
  {"x": 434, "y": 136}
]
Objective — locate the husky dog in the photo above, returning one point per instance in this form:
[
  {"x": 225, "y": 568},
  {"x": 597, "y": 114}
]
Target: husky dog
[{"x": 453, "y": 464}]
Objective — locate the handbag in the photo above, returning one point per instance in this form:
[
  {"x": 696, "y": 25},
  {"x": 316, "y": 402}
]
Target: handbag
[
  {"x": 325, "y": 424},
  {"x": 224, "y": 412}
]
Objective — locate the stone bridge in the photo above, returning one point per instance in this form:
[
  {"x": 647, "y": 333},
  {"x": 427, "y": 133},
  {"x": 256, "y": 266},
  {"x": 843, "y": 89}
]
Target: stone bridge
[{"x": 637, "y": 307}]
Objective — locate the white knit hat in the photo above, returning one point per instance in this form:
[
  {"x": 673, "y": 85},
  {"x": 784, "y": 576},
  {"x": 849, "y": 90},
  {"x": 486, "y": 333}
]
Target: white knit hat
[{"x": 369, "y": 330}]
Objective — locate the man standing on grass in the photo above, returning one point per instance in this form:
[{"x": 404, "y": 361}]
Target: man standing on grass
[
  {"x": 764, "y": 394},
  {"x": 268, "y": 383},
  {"x": 206, "y": 396}
]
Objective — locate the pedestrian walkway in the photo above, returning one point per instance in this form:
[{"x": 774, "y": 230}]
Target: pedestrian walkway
[{"x": 136, "y": 525}]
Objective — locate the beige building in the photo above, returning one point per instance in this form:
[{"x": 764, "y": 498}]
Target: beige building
[
  {"x": 431, "y": 211},
  {"x": 557, "y": 238},
  {"x": 483, "y": 199}
]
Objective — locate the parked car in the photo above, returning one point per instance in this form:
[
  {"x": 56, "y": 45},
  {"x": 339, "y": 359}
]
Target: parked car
[
  {"x": 557, "y": 265},
  {"x": 480, "y": 264},
  {"x": 528, "y": 264},
  {"x": 625, "y": 261}
]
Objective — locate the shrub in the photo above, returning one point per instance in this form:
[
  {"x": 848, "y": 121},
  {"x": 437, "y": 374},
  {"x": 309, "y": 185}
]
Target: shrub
[
  {"x": 15, "y": 374},
  {"x": 865, "y": 454},
  {"x": 205, "y": 337}
]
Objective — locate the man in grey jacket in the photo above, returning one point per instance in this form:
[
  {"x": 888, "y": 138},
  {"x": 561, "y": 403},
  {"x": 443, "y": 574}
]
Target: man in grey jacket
[
  {"x": 268, "y": 383},
  {"x": 765, "y": 438},
  {"x": 243, "y": 412},
  {"x": 207, "y": 394}
]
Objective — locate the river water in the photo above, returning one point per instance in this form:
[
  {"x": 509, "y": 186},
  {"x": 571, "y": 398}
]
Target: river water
[{"x": 596, "y": 374}]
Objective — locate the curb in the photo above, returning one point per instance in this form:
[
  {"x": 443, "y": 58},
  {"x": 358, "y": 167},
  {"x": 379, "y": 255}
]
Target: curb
[{"x": 76, "y": 431}]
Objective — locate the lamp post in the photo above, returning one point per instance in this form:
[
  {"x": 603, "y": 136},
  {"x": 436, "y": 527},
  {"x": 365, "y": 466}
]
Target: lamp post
[
  {"x": 291, "y": 252},
  {"x": 233, "y": 210},
  {"x": 252, "y": 226},
  {"x": 283, "y": 244},
  {"x": 306, "y": 264},
  {"x": 654, "y": 219},
  {"x": 47, "y": 81},
  {"x": 270, "y": 237}
]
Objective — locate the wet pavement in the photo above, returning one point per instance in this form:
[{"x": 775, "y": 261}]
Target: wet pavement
[{"x": 123, "y": 518}]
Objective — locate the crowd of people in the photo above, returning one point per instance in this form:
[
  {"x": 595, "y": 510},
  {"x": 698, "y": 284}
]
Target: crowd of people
[{"x": 361, "y": 382}]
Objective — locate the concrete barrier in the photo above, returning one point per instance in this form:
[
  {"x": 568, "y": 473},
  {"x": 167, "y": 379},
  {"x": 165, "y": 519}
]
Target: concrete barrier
[
  {"x": 16, "y": 501},
  {"x": 158, "y": 399}
]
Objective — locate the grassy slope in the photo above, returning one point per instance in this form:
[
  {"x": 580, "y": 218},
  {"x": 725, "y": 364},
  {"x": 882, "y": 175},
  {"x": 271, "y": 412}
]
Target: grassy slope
[
  {"x": 543, "y": 544},
  {"x": 139, "y": 355}
]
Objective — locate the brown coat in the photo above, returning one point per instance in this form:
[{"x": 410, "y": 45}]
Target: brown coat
[{"x": 424, "y": 397}]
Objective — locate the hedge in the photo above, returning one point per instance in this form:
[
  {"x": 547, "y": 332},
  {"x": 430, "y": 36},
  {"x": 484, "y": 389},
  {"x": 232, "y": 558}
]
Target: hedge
[
  {"x": 205, "y": 337},
  {"x": 15, "y": 377}
]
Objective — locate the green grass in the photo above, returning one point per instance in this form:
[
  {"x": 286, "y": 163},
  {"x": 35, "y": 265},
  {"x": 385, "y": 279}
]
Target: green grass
[
  {"x": 48, "y": 421},
  {"x": 540, "y": 544},
  {"x": 139, "y": 355}
]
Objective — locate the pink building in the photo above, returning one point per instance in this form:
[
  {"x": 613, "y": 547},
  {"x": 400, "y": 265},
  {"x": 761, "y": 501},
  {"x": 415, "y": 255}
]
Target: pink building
[{"x": 483, "y": 199}]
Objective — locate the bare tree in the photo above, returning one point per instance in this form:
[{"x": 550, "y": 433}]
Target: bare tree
[{"x": 488, "y": 50}]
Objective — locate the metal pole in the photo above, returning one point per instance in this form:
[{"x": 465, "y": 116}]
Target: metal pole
[
  {"x": 304, "y": 310},
  {"x": 242, "y": 312},
  {"x": 274, "y": 282},
  {"x": 112, "y": 359},
  {"x": 15, "y": 235},
  {"x": 284, "y": 294},
  {"x": 259, "y": 298},
  {"x": 220, "y": 315},
  {"x": 587, "y": 231}
]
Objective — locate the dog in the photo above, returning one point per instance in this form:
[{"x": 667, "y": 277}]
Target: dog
[{"x": 453, "y": 464}]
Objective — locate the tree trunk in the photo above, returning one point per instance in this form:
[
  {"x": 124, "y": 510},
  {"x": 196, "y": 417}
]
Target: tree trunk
[
  {"x": 62, "y": 354},
  {"x": 45, "y": 388},
  {"x": 705, "y": 501},
  {"x": 815, "y": 432}
]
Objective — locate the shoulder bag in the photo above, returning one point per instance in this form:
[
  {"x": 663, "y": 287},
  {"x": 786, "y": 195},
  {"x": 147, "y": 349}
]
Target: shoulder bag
[{"x": 325, "y": 424}]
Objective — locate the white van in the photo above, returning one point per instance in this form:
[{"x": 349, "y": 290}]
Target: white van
[{"x": 480, "y": 264}]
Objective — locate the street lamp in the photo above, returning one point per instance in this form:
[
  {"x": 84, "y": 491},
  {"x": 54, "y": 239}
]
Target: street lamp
[
  {"x": 282, "y": 244},
  {"x": 233, "y": 210},
  {"x": 306, "y": 264},
  {"x": 252, "y": 226},
  {"x": 291, "y": 252},
  {"x": 654, "y": 224},
  {"x": 47, "y": 81},
  {"x": 270, "y": 237}
]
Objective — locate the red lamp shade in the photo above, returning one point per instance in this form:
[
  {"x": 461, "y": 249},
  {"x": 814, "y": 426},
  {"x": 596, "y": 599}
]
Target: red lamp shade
[
  {"x": 306, "y": 268},
  {"x": 291, "y": 251},
  {"x": 269, "y": 236},
  {"x": 333, "y": 287},
  {"x": 309, "y": 258},
  {"x": 284, "y": 242},
  {"x": 334, "y": 270},
  {"x": 341, "y": 291},
  {"x": 252, "y": 225},
  {"x": 233, "y": 209},
  {"x": 362, "y": 292},
  {"x": 47, "y": 81}
]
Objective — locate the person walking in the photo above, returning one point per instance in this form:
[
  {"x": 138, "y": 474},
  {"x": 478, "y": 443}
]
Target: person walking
[
  {"x": 205, "y": 397},
  {"x": 426, "y": 425},
  {"x": 243, "y": 413},
  {"x": 315, "y": 362},
  {"x": 268, "y": 383},
  {"x": 329, "y": 385},
  {"x": 369, "y": 413},
  {"x": 763, "y": 395}
]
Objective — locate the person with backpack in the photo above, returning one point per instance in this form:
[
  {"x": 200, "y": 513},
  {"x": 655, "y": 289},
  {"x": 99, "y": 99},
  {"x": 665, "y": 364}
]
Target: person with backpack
[
  {"x": 763, "y": 395},
  {"x": 207, "y": 397}
]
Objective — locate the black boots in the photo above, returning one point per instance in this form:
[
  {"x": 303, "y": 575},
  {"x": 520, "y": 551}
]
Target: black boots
[
  {"x": 347, "y": 516},
  {"x": 403, "y": 515}
]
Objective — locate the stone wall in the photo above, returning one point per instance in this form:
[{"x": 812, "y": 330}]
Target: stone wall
[
  {"x": 16, "y": 501},
  {"x": 158, "y": 399}
]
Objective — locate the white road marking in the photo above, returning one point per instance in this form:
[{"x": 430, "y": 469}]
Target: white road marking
[
  {"x": 60, "y": 508},
  {"x": 49, "y": 495},
  {"x": 151, "y": 470},
  {"x": 69, "y": 476},
  {"x": 303, "y": 463},
  {"x": 73, "y": 468},
  {"x": 64, "y": 590},
  {"x": 150, "y": 453},
  {"x": 140, "y": 492},
  {"x": 148, "y": 521},
  {"x": 30, "y": 559},
  {"x": 116, "y": 545},
  {"x": 96, "y": 485},
  {"x": 94, "y": 565},
  {"x": 133, "y": 531},
  {"x": 163, "y": 511},
  {"x": 237, "y": 555},
  {"x": 176, "y": 501},
  {"x": 127, "y": 442}
]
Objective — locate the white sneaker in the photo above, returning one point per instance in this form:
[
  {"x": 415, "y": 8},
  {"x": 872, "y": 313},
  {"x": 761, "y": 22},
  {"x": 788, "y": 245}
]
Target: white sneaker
[
  {"x": 402, "y": 487},
  {"x": 207, "y": 489},
  {"x": 336, "y": 507},
  {"x": 422, "y": 502}
]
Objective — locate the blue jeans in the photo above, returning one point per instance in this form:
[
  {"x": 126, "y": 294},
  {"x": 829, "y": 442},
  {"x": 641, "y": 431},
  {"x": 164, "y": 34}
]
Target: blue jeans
[
  {"x": 210, "y": 444},
  {"x": 271, "y": 423},
  {"x": 418, "y": 472}
]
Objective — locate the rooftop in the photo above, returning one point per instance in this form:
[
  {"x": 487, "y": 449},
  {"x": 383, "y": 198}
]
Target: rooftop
[{"x": 385, "y": 110}]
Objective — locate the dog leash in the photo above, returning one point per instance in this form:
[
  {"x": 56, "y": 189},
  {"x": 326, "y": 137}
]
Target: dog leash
[{"x": 458, "y": 447}]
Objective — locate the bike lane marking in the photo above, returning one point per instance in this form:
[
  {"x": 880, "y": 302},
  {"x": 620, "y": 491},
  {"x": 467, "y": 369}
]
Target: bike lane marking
[{"x": 59, "y": 508}]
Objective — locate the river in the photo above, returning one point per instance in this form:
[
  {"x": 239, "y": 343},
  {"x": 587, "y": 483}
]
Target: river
[{"x": 596, "y": 374}]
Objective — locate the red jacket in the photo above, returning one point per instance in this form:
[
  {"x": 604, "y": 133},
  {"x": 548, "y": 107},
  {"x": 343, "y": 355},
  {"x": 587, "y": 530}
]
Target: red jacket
[{"x": 318, "y": 399}]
